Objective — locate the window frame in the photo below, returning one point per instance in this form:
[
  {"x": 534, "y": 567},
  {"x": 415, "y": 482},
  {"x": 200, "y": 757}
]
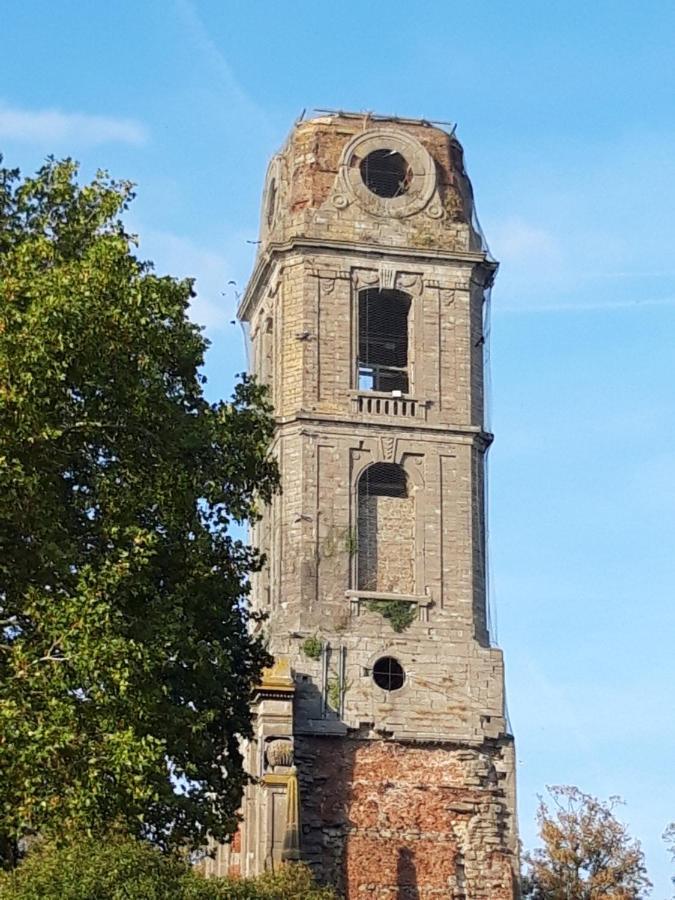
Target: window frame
[{"x": 358, "y": 366}]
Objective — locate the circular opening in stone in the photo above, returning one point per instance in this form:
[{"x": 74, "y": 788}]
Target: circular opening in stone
[
  {"x": 386, "y": 173},
  {"x": 388, "y": 674}
]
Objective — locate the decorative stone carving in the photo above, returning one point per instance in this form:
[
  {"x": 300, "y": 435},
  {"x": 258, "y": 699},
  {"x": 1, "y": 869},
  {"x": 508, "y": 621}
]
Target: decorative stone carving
[
  {"x": 410, "y": 282},
  {"x": 422, "y": 182},
  {"x": 271, "y": 199},
  {"x": 434, "y": 210},
  {"x": 364, "y": 278},
  {"x": 387, "y": 277},
  {"x": 279, "y": 753},
  {"x": 388, "y": 448}
]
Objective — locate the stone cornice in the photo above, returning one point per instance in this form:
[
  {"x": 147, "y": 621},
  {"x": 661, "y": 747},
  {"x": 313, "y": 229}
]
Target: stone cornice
[
  {"x": 316, "y": 245},
  {"x": 303, "y": 418}
]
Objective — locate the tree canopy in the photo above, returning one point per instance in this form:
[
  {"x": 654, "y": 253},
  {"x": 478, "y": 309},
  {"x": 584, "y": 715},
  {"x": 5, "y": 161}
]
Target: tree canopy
[
  {"x": 587, "y": 853},
  {"x": 126, "y": 660},
  {"x": 669, "y": 838},
  {"x": 121, "y": 868}
]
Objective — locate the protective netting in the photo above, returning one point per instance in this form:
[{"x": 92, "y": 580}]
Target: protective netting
[
  {"x": 383, "y": 340},
  {"x": 486, "y": 288},
  {"x": 383, "y": 480},
  {"x": 246, "y": 332},
  {"x": 386, "y": 173}
]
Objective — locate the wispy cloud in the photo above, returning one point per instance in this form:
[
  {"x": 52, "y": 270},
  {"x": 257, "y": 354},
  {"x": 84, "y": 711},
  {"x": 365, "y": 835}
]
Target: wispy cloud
[
  {"x": 583, "y": 306},
  {"x": 53, "y": 126},
  {"x": 542, "y": 271},
  {"x": 232, "y": 94},
  {"x": 215, "y": 304},
  {"x": 524, "y": 245}
]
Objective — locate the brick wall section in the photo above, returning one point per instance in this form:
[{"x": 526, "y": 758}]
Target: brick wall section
[
  {"x": 391, "y": 820},
  {"x": 385, "y": 540}
]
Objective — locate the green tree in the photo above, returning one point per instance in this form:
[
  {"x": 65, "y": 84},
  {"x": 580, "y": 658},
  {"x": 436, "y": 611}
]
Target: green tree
[
  {"x": 669, "y": 838},
  {"x": 587, "y": 853},
  {"x": 125, "y": 869},
  {"x": 126, "y": 660}
]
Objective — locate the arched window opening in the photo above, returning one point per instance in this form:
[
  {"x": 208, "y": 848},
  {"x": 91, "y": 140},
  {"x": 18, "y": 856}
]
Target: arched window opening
[
  {"x": 386, "y": 531},
  {"x": 267, "y": 352},
  {"x": 383, "y": 340},
  {"x": 271, "y": 202}
]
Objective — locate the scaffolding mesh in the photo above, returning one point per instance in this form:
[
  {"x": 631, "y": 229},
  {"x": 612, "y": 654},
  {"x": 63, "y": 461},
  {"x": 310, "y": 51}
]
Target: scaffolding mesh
[
  {"x": 386, "y": 173},
  {"x": 383, "y": 480},
  {"x": 383, "y": 340}
]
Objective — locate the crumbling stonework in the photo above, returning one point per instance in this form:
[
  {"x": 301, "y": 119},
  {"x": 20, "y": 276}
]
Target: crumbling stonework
[
  {"x": 389, "y": 820},
  {"x": 406, "y": 780}
]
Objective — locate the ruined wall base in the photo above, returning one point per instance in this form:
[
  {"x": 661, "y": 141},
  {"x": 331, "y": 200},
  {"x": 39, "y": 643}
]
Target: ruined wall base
[{"x": 402, "y": 821}]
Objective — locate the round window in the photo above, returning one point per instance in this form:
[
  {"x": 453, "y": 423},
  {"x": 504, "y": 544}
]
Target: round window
[
  {"x": 388, "y": 674},
  {"x": 386, "y": 173}
]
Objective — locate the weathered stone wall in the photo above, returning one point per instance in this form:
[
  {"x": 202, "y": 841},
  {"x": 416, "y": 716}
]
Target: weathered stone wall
[
  {"x": 385, "y": 542},
  {"x": 308, "y": 316},
  {"x": 308, "y": 193},
  {"x": 391, "y": 820},
  {"x": 407, "y": 792}
]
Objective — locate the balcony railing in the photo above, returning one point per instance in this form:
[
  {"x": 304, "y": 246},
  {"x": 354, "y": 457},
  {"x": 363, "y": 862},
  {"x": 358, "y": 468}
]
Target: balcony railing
[{"x": 371, "y": 403}]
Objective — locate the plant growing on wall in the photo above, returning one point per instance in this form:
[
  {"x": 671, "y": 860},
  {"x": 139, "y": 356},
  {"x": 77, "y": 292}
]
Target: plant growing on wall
[
  {"x": 333, "y": 693},
  {"x": 351, "y": 542},
  {"x": 312, "y": 647},
  {"x": 399, "y": 613}
]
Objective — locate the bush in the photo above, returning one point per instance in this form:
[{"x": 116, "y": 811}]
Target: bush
[
  {"x": 110, "y": 869},
  {"x": 120, "y": 868},
  {"x": 312, "y": 647},
  {"x": 399, "y": 613}
]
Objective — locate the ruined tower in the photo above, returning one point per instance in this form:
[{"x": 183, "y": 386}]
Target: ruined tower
[{"x": 385, "y": 712}]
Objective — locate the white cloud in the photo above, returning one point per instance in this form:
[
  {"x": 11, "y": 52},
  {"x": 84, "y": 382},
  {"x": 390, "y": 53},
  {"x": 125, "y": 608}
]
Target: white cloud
[
  {"x": 522, "y": 245},
  {"x": 542, "y": 271},
  {"x": 586, "y": 306},
  {"x": 53, "y": 126},
  {"x": 232, "y": 95},
  {"x": 216, "y": 301}
]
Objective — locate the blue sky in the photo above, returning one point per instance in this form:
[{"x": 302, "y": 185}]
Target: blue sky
[{"x": 566, "y": 114}]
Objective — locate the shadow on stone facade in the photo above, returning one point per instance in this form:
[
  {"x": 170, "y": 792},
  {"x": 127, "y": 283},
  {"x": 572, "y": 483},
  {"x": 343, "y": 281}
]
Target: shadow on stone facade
[
  {"x": 393, "y": 821},
  {"x": 406, "y": 875}
]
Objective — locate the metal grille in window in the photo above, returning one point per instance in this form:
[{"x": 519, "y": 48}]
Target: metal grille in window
[
  {"x": 383, "y": 480},
  {"x": 388, "y": 674},
  {"x": 383, "y": 340},
  {"x": 386, "y": 173}
]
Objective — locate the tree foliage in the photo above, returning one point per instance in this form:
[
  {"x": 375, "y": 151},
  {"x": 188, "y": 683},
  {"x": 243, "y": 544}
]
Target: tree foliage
[
  {"x": 587, "y": 853},
  {"x": 126, "y": 663},
  {"x": 124, "y": 869},
  {"x": 669, "y": 838}
]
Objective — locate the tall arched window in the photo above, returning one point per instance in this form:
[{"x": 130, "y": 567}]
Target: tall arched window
[
  {"x": 267, "y": 351},
  {"x": 386, "y": 530},
  {"x": 383, "y": 340}
]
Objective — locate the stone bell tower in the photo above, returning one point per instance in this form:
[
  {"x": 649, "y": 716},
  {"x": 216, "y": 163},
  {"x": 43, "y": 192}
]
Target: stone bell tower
[{"x": 382, "y": 725}]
